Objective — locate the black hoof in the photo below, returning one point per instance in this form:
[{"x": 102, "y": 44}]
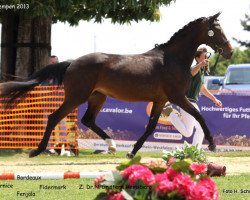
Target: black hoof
[
  {"x": 130, "y": 155},
  {"x": 212, "y": 147},
  {"x": 34, "y": 152}
]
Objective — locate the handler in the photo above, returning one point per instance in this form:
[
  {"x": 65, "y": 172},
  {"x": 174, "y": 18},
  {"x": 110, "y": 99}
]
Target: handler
[{"x": 182, "y": 121}]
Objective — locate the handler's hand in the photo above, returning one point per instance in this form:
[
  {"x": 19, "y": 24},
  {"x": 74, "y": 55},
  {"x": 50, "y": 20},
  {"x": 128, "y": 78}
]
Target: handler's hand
[
  {"x": 204, "y": 63},
  {"x": 217, "y": 102}
]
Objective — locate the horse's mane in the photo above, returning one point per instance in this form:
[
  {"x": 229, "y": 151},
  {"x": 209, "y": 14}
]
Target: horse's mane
[{"x": 180, "y": 32}]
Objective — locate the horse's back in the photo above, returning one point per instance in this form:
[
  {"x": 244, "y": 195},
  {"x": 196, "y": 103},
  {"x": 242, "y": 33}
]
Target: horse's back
[
  {"x": 126, "y": 77},
  {"x": 134, "y": 63}
]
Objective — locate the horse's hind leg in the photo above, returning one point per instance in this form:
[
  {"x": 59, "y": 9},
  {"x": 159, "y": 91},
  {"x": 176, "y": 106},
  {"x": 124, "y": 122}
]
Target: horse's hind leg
[
  {"x": 53, "y": 120},
  {"x": 95, "y": 103},
  {"x": 189, "y": 108},
  {"x": 153, "y": 119}
]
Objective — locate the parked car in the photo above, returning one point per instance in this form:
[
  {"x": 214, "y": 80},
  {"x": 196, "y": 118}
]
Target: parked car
[
  {"x": 208, "y": 82},
  {"x": 236, "y": 80}
]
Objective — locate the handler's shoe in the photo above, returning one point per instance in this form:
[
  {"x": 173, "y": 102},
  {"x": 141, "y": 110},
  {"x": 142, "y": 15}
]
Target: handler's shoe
[
  {"x": 212, "y": 147},
  {"x": 111, "y": 150},
  {"x": 166, "y": 111}
]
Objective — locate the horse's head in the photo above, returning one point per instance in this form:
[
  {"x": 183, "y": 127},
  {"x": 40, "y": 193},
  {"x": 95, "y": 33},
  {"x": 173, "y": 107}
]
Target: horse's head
[{"x": 216, "y": 39}]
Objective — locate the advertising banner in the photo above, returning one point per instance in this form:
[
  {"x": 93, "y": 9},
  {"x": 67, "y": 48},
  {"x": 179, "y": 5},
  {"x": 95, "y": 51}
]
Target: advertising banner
[
  {"x": 126, "y": 122},
  {"x": 230, "y": 124}
]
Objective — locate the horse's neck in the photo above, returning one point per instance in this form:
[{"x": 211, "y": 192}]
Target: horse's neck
[
  {"x": 183, "y": 56},
  {"x": 184, "y": 48}
]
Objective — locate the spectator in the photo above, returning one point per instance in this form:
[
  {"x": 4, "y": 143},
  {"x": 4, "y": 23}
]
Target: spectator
[{"x": 53, "y": 59}]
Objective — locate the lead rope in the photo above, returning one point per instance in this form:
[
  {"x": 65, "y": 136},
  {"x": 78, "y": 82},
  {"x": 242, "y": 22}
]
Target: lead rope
[{"x": 220, "y": 51}]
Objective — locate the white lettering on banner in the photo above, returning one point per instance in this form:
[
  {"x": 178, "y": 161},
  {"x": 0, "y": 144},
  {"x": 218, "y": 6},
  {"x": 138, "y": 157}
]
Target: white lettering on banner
[
  {"x": 236, "y": 116},
  {"x": 226, "y": 115},
  {"x": 167, "y": 136},
  {"x": 244, "y": 116},
  {"x": 117, "y": 110},
  {"x": 229, "y": 112},
  {"x": 244, "y": 109},
  {"x": 224, "y": 109}
]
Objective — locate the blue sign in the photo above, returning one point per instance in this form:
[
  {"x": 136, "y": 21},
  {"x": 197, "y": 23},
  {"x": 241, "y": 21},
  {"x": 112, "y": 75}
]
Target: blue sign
[
  {"x": 230, "y": 124},
  {"x": 128, "y": 121}
]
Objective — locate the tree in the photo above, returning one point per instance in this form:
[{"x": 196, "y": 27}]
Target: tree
[
  {"x": 246, "y": 26},
  {"x": 239, "y": 56},
  {"x": 26, "y": 26}
]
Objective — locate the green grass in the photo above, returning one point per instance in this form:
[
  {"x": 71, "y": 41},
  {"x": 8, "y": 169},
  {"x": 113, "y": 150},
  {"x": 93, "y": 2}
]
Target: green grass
[
  {"x": 84, "y": 156},
  {"x": 88, "y": 156},
  {"x": 73, "y": 191},
  {"x": 230, "y": 187}
]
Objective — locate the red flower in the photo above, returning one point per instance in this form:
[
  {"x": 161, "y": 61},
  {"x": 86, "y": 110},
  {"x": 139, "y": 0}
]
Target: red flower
[
  {"x": 198, "y": 193},
  {"x": 131, "y": 169},
  {"x": 98, "y": 180},
  {"x": 210, "y": 185},
  {"x": 160, "y": 177},
  {"x": 148, "y": 178},
  {"x": 135, "y": 172},
  {"x": 143, "y": 174},
  {"x": 165, "y": 186},
  {"x": 169, "y": 181},
  {"x": 184, "y": 184},
  {"x": 115, "y": 196},
  {"x": 171, "y": 173},
  {"x": 198, "y": 168},
  {"x": 205, "y": 189}
]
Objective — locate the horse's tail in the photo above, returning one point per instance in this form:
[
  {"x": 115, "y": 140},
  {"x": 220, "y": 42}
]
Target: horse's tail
[{"x": 15, "y": 89}]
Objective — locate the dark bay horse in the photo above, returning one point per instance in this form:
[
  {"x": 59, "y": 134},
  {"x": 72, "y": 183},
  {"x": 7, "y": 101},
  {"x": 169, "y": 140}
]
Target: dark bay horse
[{"x": 160, "y": 75}]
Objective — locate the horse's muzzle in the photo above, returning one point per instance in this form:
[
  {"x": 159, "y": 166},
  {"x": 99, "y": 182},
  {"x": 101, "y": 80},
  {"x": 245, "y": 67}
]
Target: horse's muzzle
[
  {"x": 227, "y": 55},
  {"x": 227, "y": 51}
]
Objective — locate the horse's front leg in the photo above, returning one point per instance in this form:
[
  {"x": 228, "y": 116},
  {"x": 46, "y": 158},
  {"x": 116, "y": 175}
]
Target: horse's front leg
[
  {"x": 189, "y": 108},
  {"x": 153, "y": 119},
  {"x": 95, "y": 103}
]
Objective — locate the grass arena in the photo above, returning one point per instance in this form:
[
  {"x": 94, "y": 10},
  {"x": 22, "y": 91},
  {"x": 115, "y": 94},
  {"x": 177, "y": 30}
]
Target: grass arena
[
  {"x": 63, "y": 177},
  {"x": 80, "y": 185}
]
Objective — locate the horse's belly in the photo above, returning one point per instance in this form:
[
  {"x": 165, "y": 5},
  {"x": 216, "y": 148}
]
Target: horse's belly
[{"x": 130, "y": 94}]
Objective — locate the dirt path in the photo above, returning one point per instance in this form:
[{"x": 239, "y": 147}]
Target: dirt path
[{"x": 236, "y": 165}]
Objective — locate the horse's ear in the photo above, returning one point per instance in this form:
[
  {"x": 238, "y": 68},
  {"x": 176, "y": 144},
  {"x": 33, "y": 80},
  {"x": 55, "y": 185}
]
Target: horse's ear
[{"x": 214, "y": 17}]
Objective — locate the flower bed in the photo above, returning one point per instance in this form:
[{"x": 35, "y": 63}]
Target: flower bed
[{"x": 181, "y": 179}]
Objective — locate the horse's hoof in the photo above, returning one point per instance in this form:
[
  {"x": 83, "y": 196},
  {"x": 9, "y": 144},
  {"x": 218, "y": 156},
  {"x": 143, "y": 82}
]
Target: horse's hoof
[
  {"x": 212, "y": 147},
  {"x": 33, "y": 153},
  {"x": 130, "y": 155},
  {"x": 111, "y": 150}
]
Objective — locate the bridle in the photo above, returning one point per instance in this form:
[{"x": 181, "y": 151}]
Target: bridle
[{"x": 218, "y": 49}]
